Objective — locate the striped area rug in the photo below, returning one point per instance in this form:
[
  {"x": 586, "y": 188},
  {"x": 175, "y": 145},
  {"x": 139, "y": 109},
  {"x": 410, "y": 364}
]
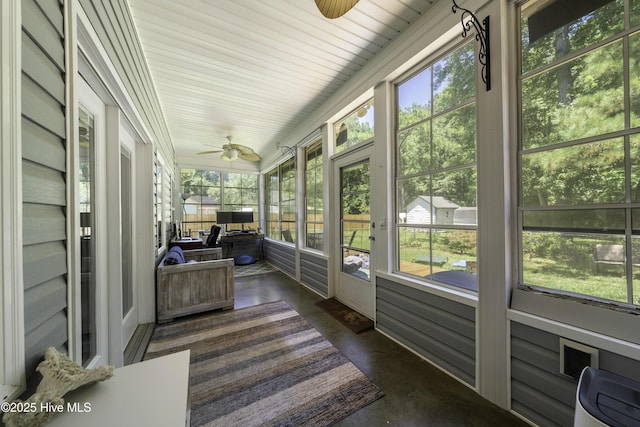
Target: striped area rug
[{"x": 263, "y": 366}]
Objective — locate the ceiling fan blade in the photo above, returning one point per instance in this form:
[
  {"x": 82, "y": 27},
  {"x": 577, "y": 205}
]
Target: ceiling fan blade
[
  {"x": 335, "y": 8},
  {"x": 251, "y": 157},
  {"x": 211, "y": 152},
  {"x": 242, "y": 148}
]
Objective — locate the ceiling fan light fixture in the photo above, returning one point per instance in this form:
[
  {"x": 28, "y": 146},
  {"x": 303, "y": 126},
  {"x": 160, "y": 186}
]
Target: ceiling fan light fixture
[
  {"x": 335, "y": 8},
  {"x": 229, "y": 155}
]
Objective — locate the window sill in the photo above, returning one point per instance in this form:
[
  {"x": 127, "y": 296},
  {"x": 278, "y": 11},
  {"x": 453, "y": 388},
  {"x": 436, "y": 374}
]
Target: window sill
[
  {"x": 314, "y": 252},
  {"x": 571, "y": 314},
  {"x": 452, "y": 293}
]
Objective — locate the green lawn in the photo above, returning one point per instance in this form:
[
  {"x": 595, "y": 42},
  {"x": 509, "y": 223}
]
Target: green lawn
[
  {"x": 609, "y": 283},
  {"x": 572, "y": 274}
]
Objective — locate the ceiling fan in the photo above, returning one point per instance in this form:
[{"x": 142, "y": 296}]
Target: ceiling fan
[
  {"x": 231, "y": 152},
  {"x": 335, "y": 8}
]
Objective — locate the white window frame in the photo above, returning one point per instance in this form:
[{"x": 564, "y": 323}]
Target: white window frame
[
  {"x": 12, "y": 364},
  {"x": 163, "y": 179},
  {"x": 447, "y": 48},
  {"x": 268, "y": 200},
  {"x": 566, "y": 316},
  {"x": 317, "y": 143}
]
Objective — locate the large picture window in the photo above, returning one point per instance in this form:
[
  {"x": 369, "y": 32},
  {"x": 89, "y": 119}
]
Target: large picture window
[
  {"x": 579, "y": 151},
  {"x": 205, "y": 193},
  {"x": 313, "y": 220},
  {"x": 436, "y": 171},
  {"x": 280, "y": 186}
]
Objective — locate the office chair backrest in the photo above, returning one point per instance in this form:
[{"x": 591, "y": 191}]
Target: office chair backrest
[{"x": 213, "y": 236}]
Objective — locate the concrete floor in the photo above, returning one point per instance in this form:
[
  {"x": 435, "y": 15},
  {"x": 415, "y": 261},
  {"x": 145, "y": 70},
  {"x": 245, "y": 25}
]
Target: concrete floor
[{"x": 416, "y": 393}]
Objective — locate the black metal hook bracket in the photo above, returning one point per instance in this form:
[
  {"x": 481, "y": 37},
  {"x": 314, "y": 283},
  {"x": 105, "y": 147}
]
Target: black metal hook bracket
[
  {"x": 482, "y": 35},
  {"x": 287, "y": 151}
]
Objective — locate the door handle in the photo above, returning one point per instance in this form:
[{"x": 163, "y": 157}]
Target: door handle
[{"x": 372, "y": 237}]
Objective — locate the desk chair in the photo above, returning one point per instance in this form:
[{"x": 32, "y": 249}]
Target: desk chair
[{"x": 212, "y": 240}]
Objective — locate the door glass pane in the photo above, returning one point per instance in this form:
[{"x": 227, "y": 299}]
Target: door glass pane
[
  {"x": 125, "y": 194},
  {"x": 87, "y": 242},
  {"x": 355, "y": 219}
]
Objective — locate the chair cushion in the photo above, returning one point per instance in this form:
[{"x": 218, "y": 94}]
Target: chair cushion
[
  {"x": 174, "y": 256},
  {"x": 244, "y": 260},
  {"x": 172, "y": 259}
]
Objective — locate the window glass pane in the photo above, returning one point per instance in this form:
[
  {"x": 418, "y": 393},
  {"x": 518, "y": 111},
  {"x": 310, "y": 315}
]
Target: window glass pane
[
  {"x": 635, "y": 290},
  {"x": 578, "y": 99},
  {"x": 583, "y": 174},
  {"x": 315, "y": 236},
  {"x": 414, "y": 149},
  {"x": 86, "y": 206},
  {"x": 288, "y": 232},
  {"x": 634, "y": 76},
  {"x": 357, "y": 127},
  {"x": 436, "y": 176},
  {"x": 203, "y": 193},
  {"x": 611, "y": 220},
  {"x": 414, "y": 99},
  {"x": 635, "y": 12},
  {"x": 578, "y": 248},
  {"x": 413, "y": 195},
  {"x": 635, "y": 242},
  {"x": 453, "y": 259},
  {"x": 454, "y": 196},
  {"x": 454, "y": 79},
  {"x": 313, "y": 196},
  {"x": 591, "y": 264},
  {"x": 454, "y": 138},
  {"x": 543, "y": 42},
  {"x": 445, "y": 256},
  {"x": 272, "y": 227},
  {"x": 250, "y": 181},
  {"x": 413, "y": 243}
]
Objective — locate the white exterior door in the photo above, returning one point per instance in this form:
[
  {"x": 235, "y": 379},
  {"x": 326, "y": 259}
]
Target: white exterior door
[
  {"x": 89, "y": 307},
  {"x": 353, "y": 228}
]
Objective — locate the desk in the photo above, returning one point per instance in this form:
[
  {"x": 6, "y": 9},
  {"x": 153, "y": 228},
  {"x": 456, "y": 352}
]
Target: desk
[
  {"x": 150, "y": 393},
  {"x": 187, "y": 243},
  {"x": 242, "y": 244}
]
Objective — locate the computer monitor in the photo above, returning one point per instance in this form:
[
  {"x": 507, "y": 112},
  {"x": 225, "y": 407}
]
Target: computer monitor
[
  {"x": 242, "y": 217},
  {"x": 235, "y": 217},
  {"x": 224, "y": 217}
]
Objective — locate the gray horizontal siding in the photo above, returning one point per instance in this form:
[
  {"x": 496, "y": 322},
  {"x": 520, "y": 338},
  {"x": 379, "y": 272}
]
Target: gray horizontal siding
[
  {"x": 43, "y": 180},
  {"x": 44, "y": 26},
  {"x": 42, "y": 223},
  {"x": 42, "y": 108},
  {"x": 440, "y": 330},
  {"x": 43, "y": 185},
  {"x": 281, "y": 256},
  {"x": 314, "y": 273},
  {"x": 42, "y": 147},
  {"x": 539, "y": 391}
]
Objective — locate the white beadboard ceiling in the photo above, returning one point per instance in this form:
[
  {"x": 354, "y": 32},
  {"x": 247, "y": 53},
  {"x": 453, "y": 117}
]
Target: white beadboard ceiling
[{"x": 256, "y": 69}]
